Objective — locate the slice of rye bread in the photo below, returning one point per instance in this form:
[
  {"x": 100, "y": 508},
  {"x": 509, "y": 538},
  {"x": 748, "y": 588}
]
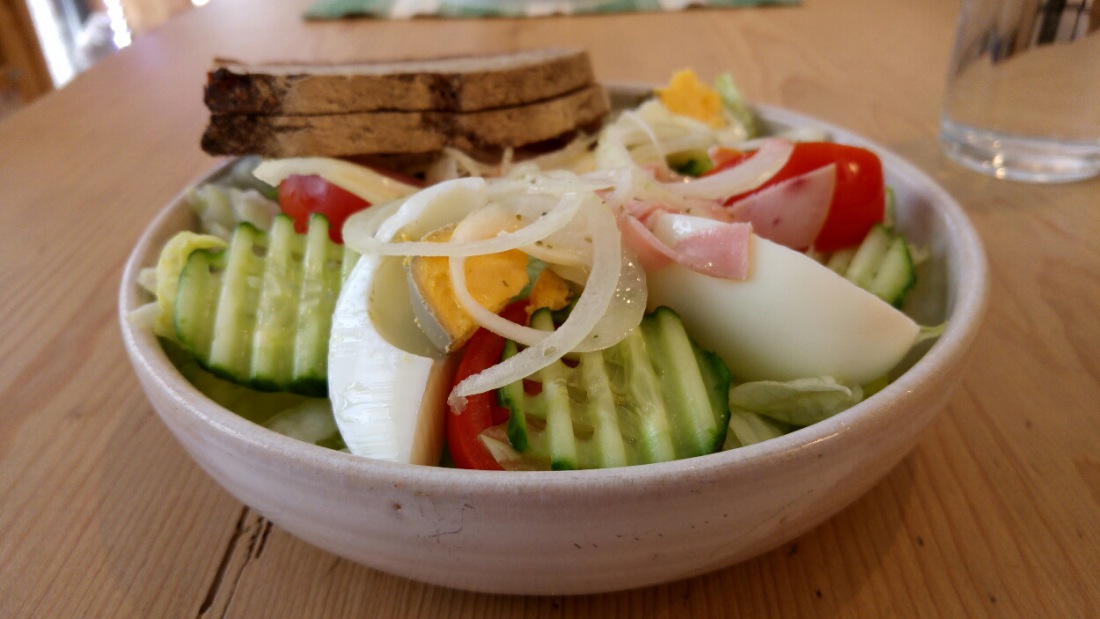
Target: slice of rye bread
[
  {"x": 453, "y": 84},
  {"x": 365, "y": 133}
]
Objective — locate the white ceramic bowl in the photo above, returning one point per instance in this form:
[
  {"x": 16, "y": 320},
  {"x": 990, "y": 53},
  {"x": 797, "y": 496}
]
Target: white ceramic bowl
[{"x": 586, "y": 531}]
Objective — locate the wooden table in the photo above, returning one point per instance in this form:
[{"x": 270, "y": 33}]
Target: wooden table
[{"x": 102, "y": 514}]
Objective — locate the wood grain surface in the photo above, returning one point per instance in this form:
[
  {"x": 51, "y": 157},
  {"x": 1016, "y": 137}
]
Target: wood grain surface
[{"x": 102, "y": 514}]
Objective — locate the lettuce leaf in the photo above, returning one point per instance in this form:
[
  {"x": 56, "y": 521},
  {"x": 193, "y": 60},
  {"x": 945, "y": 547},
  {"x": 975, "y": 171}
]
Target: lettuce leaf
[
  {"x": 799, "y": 402},
  {"x": 749, "y": 428},
  {"x": 735, "y": 104}
]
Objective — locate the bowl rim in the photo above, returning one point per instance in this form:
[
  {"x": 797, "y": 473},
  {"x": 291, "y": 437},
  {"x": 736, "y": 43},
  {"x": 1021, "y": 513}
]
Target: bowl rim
[{"x": 250, "y": 438}]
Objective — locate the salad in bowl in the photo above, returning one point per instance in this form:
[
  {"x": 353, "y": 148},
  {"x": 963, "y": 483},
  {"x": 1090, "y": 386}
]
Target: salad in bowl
[
  {"x": 675, "y": 285},
  {"x": 701, "y": 300}
]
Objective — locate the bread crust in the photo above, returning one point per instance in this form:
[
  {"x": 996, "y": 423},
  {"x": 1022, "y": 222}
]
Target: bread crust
[
  {"x": 366, "y": 133},
  {"x": 453, "y": 84}
]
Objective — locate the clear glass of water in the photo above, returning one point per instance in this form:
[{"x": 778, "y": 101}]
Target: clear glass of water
[{"x": 1023, "y": 92}]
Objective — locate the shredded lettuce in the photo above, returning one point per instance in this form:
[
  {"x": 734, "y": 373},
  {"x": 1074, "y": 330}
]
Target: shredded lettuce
[{"x": 220, "y": 208}]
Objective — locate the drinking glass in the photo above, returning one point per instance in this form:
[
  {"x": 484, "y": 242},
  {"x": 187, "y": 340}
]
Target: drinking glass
[{"x": 1023, "y": 92}]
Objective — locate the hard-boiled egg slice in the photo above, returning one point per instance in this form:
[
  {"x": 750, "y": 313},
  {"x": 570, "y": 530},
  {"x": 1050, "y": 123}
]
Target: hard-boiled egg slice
[
  {"x": 492, "y": 279},
  {"x": 792, "y": 318},
  {"x": 387, "y": 382}
]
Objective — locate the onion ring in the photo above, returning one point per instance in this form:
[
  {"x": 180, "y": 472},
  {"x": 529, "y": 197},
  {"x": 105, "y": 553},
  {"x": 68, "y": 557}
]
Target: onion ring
[
  {"x": 590, "y": 306},
  {"x": 754, "y": 172}
]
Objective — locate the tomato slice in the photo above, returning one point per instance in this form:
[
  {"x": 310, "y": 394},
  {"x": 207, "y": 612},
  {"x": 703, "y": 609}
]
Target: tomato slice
[
  {"x": 484, "y": 350},
  {"x": 301, "y": 195},
  {"x": 859, "y": 200}
]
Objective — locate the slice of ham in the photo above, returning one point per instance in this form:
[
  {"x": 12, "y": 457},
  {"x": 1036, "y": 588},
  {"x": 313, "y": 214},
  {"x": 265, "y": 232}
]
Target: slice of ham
[
  {"x": 721, "y": 251},
  {"x": 652, "y": 254},
  {"x": 647, "y": 211},
  {"x": 718, "y": 250},
  {"x": 790, "y": 212}
]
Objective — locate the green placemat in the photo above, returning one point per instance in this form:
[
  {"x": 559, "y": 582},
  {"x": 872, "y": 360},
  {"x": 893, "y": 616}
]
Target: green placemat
[{"x": 405, "y": 9}]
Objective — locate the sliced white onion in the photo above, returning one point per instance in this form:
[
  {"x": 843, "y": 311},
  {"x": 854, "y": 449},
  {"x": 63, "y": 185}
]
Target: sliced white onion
[
  {"x": 559, "y": 255},
  {"x": 625, "y": 311},
  {"x": 590, "y": 307},
  {"x": 542, "y": 227},
  {"x": 431, "y": 209},
  {"x": 639, "y": 184},
  {"x": 650, "y": 135},
  {"x": 576, "y": 274},
  {"x": 573, "y": 156},
  {"x": 551, "y": 183},
  {"x": 611, "y": 150},
  {"x": 754, "y": 172},
  {"x": 481, "y": 315},
  {"x": 365, "y": 223},
  {"x": 571, "y": 246}
]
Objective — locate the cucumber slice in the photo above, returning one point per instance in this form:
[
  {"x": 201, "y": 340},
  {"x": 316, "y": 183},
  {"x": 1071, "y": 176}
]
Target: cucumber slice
[
  {"x": 326, "y": 266},
  {"x": 868, "y": 256},
  {"x": 258, "y": 313},
  {"x": 896, "y": 275},
  {"x": 197, "y": 298},
  {"x": 882, "y": 265},
  {"x": 511, "y": 397},
  {"x": 609, "y": 445},
  {"x": 653, "y": 397},
  {"x": 644, "y": 412},
  {"x": 840, "y": 260},
  {"x": 560, "y": 442},
  {"x": 273, "y": 345},
  {"x": 679, "y": 372}
]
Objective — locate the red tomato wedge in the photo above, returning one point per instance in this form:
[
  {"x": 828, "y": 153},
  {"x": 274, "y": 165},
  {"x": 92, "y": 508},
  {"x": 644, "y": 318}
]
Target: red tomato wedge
[
  {"x": 859, "y": 200},
  {"x": 302, "y": 195},
  {"x": 484, "y": 350}
]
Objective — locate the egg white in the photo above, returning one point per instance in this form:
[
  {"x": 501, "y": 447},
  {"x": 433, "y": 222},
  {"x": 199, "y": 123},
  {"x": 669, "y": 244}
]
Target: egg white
[
  {"x": 387, "y": 401},
  {"x": 792, "y": 318},
  {"x": 387, "y": 382}
]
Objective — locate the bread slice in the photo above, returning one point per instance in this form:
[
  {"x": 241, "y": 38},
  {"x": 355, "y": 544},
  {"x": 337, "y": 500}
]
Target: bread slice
[
  {"x": 364, "y": 133},
  {"x": 453, "y": 84}
]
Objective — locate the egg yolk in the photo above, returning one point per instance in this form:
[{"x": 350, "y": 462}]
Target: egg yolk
[{"x": 688, "y": 96}]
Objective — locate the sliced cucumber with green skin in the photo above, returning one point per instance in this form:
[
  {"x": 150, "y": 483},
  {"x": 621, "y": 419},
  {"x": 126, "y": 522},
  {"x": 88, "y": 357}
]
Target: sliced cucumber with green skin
[
  {"x": 258, "y": 313},
  {"x": 882, "y": 264},
  {"x": 655, "y": 396},
  {"x": 896, "y": 275},
  {"x": 840, "y": 260},
  {"x": 511, "y": 397},
  {"x": 326, "y": 266},
  {"x": 273, "y": 341},
  {"x": 861, "y": 270},
  {"x": 610, "y": 447}
]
